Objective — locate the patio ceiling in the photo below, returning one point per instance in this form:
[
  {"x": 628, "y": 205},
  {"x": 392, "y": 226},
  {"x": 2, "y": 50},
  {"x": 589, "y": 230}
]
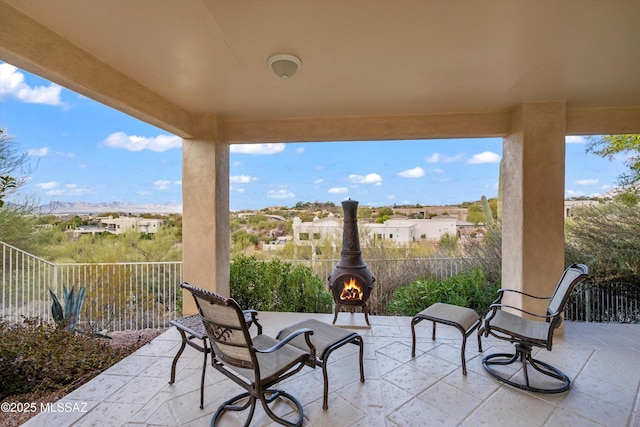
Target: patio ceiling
[{"x": 389, "y": 61}]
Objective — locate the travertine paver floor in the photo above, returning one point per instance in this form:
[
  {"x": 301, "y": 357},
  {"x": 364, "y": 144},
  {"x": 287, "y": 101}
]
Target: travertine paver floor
[{"x": 603, "y": 361}]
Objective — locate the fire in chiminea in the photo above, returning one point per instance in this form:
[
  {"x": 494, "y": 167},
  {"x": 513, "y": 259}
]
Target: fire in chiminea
[{"x": 351, "y": 281}]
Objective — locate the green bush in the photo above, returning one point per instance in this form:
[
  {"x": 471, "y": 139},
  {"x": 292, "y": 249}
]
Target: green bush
[
  {"x": 277, "y": 286},
  {"x": 38, "y": 356},
  {"x": 467, "y": 289}
]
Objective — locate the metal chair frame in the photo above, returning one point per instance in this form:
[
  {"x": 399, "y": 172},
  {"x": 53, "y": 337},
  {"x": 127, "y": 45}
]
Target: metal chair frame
[
  {"x": 527, "y": 333},
  {"x": 256, "y": 364}
]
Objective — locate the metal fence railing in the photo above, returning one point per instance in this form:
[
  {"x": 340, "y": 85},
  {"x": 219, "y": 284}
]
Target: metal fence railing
[
  {"x": 604, "y": 302},
  {"x": 132, "y": 295},
  {"x": 25, "y": 280},
  {"x": 139, "y": 295}
]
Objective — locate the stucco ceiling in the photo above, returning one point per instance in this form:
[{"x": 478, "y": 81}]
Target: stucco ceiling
[{"x": 360, "y": 57}]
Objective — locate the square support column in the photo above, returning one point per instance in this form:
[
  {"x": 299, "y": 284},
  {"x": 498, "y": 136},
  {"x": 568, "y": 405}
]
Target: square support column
[
  {"x": 205, "y": 218},
  {"x": 533, "y": 202}
]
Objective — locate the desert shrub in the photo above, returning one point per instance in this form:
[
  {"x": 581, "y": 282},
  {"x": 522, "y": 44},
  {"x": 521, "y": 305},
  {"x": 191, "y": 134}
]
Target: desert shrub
[
  {"x": 606, "y": 239},
  {"x": 277, "y": 285},
  {"x": 37, "y": 356},
  {"x": 486, "y": 250},
  {"x": 467, "y": 289}
]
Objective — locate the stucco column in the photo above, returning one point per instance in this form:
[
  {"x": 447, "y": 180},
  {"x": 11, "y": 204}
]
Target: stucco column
[
  {"x": 205, "y": 210},
  {"x": 533, "y": 202}
]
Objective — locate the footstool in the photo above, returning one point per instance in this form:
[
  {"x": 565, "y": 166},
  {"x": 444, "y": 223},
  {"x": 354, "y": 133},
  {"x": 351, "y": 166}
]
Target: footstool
[
  {"x": 463, "y": 318},
  {"x": 191, "y": 328},
  {"x": 326, "y": 338}
]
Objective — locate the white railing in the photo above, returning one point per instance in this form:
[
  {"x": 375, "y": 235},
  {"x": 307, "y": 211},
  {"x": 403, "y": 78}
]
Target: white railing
[
  {"x": 132, "y": 295},
  {"x": 137, "y": 295},
  {"x": 25, "y": 283}
]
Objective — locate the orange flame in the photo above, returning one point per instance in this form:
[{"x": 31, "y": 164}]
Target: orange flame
[{"x": 351, "y": 291}]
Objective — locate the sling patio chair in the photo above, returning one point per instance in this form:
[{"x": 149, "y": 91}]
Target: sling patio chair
[
  {"x": 528, "y": 333},
  {"x": 256, "y": 364}
]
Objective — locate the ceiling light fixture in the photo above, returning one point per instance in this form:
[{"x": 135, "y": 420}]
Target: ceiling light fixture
[{"x": 284, "y": 65}]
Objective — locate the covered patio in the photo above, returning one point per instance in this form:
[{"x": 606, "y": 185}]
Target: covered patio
[
  {"x": 531, "y": 72},
  {"x": 428, "y": 390}
]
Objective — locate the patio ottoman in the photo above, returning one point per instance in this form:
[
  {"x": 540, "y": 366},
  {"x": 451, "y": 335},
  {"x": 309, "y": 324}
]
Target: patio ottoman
[
  {"x": 326, "y": 338},
  {"x": 466, "y": 320}
]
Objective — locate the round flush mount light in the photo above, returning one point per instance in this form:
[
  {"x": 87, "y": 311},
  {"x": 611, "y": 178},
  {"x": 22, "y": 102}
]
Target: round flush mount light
[{"x": 284, "y": 65}]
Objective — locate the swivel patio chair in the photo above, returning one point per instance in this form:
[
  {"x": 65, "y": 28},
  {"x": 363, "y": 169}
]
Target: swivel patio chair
[
  {"x": 256, "y": 364},
  {"x": 528, "y": 333}
]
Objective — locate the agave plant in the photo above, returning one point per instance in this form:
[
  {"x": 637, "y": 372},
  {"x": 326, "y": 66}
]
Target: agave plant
[{"x": 72, "y": 304}]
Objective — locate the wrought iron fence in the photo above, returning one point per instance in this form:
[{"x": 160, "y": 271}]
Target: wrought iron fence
[
  {"x": 132, "y": 295},
  {"x": 140, "y": 295},
  {"x": 604, "y": 302}
]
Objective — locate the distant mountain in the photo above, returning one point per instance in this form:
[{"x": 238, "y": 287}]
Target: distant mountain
[{"x": 121, "y": 207}]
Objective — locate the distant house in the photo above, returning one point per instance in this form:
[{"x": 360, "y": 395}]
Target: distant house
[
  {"x": 277, "y": 244},
  {"x": 570, "y": 204},
  {"x": 404, "y": 231},
  {"x": 312, "y": 233},
  {"x": 399, "y": 231},
  {"x": 123, "y": 224},
  {"x": 432, "y": 211}
]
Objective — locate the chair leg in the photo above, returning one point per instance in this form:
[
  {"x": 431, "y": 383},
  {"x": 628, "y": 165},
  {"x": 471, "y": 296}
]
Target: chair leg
[
  {"x": 204, "y": 371},
  {"x": 275, "y": 394},
  {"x": 177, "y": 356},
  {"x": 523, "y": 354},
  {"x": 266, "y": 398},
  {"x": 230, "y": 405}
]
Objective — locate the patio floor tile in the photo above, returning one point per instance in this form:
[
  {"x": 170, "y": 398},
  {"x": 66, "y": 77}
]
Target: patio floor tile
[{"x": 400, "y": 390}]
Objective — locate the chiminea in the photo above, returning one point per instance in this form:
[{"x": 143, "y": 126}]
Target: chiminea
[{"x": 351, "y": 281}]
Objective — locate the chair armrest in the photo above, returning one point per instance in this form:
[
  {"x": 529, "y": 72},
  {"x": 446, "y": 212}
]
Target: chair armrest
[
  {"x": 501, "y": 306},
  {"x": 502, "y": 291},
  {"x": 254, "y": 319},
  {"x": 307, "y": 337}
]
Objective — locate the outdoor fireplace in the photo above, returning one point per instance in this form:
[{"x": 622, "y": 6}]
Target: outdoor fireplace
[{"x": 351, "y": 281}]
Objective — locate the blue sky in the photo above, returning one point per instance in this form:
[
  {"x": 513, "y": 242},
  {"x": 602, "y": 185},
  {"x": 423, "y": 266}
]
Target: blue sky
[{"x": 83, "y": 151}]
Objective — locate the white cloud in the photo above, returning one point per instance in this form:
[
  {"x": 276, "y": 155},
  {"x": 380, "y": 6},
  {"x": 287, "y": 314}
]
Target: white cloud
[
  {"x": 143, "y": 193},
  {"x": 484, "y": 157},
  {"x": 38, "y": 152},
  {"x": 69, "y": 190},
  {"x": 158, "y": 144},
  {"x": 318, "y": 181},
  {"x": 572, "y": 193},
  {"x": 63, "y": 154},
  {"x": 242, "y": 179},
  {"x": 436, "y": 170},
  {"x": 586, "y": 182},
  {"x": 574, "y": 139},
  {"x": 338, "y": 190},
  {"x": 257, "y": 149},
  {"x": 372, "y": 178},
  {"x": 300, "y": 150},
  {"x": 439, "y": 158},
  {"x": 47, "y": 185},
  {"x": 411, "y": 173},
  {"x": 12, "y": 85},
  {"x": 280, "y": 194},
  {"x": 162, "y": 184}
]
